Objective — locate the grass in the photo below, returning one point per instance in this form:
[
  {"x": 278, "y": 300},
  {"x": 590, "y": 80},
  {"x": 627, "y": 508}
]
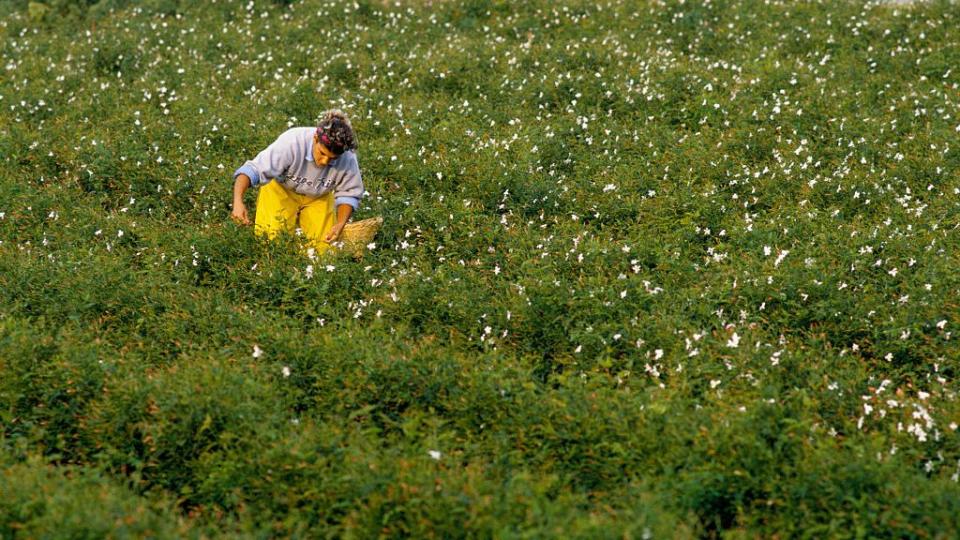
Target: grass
[{"x": 648, "y": 269}]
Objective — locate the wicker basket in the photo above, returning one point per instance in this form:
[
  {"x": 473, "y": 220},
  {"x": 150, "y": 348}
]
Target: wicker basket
[{"x": 356, "y": 235}]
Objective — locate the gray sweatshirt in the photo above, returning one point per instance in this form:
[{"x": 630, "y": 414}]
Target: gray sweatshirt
[{"x": 289, "y": 160}]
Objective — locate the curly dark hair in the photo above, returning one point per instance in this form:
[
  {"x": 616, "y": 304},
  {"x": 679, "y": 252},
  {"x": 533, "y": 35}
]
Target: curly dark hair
[{"x": 335, "y": 132}]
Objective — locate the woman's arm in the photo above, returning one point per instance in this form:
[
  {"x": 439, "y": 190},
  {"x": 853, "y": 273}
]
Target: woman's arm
[
  {"x": 344, "y": 211},
  {"x": 240, "y": 186},
  {"x": 347, "y": 194}
]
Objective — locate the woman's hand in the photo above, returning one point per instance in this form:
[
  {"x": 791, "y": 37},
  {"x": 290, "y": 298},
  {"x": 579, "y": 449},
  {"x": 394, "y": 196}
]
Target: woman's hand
[
  {"x": 335, "y": 232},
  {"x": 344, "y": 211},
  {"x": 239, "y": 213}
]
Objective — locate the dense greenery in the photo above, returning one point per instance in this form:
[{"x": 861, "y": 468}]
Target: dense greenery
[{"x": 648, "y": 269}]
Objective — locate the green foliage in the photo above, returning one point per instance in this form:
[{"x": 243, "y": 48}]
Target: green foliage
[
  {"x": 70, "y": 502},
  {"x": 648, "y": 269}
]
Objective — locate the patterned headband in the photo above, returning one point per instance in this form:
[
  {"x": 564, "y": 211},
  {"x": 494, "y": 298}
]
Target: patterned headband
[{"x": 333, "y": 146}]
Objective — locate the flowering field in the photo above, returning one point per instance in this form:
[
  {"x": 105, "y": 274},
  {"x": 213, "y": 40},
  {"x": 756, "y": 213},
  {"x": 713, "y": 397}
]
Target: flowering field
[{"x": 648, "y": 270}]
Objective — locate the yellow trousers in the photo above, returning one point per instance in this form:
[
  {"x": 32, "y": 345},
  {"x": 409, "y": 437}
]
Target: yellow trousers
[{"x": 279, "y": 209}]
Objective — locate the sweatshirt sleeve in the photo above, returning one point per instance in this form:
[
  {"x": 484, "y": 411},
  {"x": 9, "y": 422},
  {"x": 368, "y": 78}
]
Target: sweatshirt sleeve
[
  {"x": 350, "y": 188},
  {"x": 271, "y": 162}
]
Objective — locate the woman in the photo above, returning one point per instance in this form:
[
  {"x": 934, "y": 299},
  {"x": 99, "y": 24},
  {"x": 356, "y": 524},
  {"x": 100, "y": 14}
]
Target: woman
[{"x": 302, "y": 177}]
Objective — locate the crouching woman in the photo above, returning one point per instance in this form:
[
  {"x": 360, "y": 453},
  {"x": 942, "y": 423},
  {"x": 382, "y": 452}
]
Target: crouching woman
[{"x": 308, "y": 178}]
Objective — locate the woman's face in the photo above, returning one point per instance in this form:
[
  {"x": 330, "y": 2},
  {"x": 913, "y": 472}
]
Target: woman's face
[{"x": 321, "y": 154}]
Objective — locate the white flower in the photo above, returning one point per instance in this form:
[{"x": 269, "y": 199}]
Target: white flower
[
  {"x": 435, "y": 454},
  {"x": 285, "y": 371},
  {"x": 257, "y": 351},
  {"x": 734, "y": 341}
]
